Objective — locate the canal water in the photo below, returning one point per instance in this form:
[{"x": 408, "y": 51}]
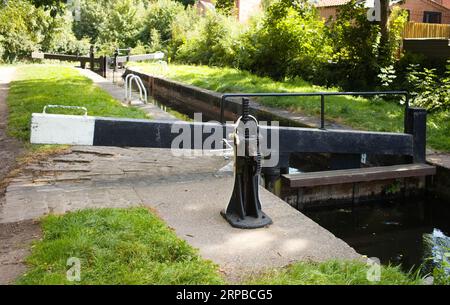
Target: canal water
[{"x": 409, "y": 232}]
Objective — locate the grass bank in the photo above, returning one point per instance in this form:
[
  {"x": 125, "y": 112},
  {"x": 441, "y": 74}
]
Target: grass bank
[
  {"x": 39, "y": 85},
  {"x": 334, "y": 273},
  {"x": 115, "y": 246},
  {"x": 133, "y": 246},
  {"x": 359, "y": 113}
]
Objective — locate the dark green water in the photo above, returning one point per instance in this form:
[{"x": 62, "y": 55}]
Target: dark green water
[{"x": 392, "y": 231}]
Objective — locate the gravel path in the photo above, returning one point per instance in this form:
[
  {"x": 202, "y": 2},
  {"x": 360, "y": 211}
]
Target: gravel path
[{"x": 15, "y": 238}]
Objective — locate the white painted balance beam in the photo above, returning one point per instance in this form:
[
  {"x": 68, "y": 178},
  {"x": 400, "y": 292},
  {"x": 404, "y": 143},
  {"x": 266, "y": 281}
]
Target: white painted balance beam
[{"x": 62, "y": 129}]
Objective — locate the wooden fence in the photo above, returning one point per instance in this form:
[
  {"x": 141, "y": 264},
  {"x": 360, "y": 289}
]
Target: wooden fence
[{"x": 426, "y": 30}]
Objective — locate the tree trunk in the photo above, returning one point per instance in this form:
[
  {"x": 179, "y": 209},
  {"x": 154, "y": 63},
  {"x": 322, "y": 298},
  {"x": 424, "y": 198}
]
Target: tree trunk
[
  {"x": 384, "y": 24},
  {"x": 384, "y": 6}
]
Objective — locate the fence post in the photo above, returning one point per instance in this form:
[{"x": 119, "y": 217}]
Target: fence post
[
  {"x": 92, "y": 57},
  {"x": 416, "y": 125},
  {"x": 104, "y": 63}
]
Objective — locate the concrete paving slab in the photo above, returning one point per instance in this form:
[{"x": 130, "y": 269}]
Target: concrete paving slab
[
  {"x": 118, "y": 93},
  {"x": 188, "y": 193},
  {"x": 193, "y": 210}
]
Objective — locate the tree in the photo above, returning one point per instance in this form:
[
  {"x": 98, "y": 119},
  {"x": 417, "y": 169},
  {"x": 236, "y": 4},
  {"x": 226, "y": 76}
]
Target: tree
[
  {"x": 122, "y": 25},
  {"x": 54, "y": 6},
  {"x": 384, "y": 29},
  {"x": 22, "y": 29},
  {"x": 289, "y": 41},
  {"x": 225, "y": 6}
]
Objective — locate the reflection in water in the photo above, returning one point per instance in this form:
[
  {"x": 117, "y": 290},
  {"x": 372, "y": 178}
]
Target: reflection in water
[{"x": 395, "y": 231}]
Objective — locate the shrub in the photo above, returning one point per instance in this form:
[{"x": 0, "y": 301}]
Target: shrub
[
  {"x": 123, "y": 24},
  {"x": 181, "y": 29},
  {"x": 210, "y": 42},
  {"x": 62, "y": 39},
  {"x": 22, "y": 28},
  {"x": 160, "y": 16},
  {"x": 428, "y": 89},
  {"x": 226, "y": 7},
  {"x": 93, "y": 16},
  {"x": 355, "y": 44},
  {"x": 289, "y": 41}
]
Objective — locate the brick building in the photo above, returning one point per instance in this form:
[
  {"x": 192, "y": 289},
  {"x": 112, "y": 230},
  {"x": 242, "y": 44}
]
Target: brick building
[{"x": 426, "y": 11}]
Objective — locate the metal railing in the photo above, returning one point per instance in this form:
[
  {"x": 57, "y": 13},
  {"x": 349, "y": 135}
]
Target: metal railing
[
  {"x": 322, "y": 99},
  {"x": 128, "y": 88},
  {"x": 84, "y": 109}
]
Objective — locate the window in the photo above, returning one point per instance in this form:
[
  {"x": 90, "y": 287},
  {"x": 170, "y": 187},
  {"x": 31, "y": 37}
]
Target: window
[{"x": 432, "y": 17}]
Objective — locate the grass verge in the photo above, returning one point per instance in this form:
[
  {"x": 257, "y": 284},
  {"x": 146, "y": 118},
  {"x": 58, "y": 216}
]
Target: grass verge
[
  {"x": 133, "y": 246},
  {"x": 359, "y": 113},
  {"x": 39, "y": 85},
  {"x": 334, "y": 273},
  {"x": 115, "y": 246}
]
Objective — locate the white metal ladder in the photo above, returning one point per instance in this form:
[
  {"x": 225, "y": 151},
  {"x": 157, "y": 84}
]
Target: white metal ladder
[{"x": 129, "y": 89}]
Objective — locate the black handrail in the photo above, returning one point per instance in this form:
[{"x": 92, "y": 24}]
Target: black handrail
[{"x": 322, "y": 99}]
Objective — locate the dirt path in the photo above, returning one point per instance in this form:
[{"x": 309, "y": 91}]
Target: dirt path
[
  {"x": 15, "y": 238},
  {"x": 10, "y": 148}
]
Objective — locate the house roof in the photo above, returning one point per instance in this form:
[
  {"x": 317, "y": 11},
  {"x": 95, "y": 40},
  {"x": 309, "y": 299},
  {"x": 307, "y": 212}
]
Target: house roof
[
  {"x": 326, "y": 3},
  {"x": 369, "y": 3}
]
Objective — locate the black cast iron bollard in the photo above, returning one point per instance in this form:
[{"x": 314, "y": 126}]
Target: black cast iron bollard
[{"x": 244, "y": 210}]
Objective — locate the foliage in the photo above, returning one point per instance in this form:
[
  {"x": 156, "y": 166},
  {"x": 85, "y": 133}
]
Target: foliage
[
  {"x": 25, "y": 28},
  {"x": 334, "y": 273},
  {"x": 210, "y": 42},
  {"x": 116, "y": 246},
  {"x": 186, "y": 2},
  {"x": 161, "y": 15},
  {"x": 226, "y": 7},
  {"x": 181, "y": 29},
  {"x": 358, "y": 53},
  {"x": 429, "y": 89},
  {"x": 22, "y": 28},
  {"x": 387, "y": 76},
  {"x": 397, "y": 22},
  {"x": 54, "y": 6},
  {"x": 38, "y": 86},
  {"x": 123, "y": 24},
  {"x": 63, "y": 40},
  {"x": 93, "y": 15},
  {"x": 289, "y": 41},
  {"x": 355, "y": 44}
]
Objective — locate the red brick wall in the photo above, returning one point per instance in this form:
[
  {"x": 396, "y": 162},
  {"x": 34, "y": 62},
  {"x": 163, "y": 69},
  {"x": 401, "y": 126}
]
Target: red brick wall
[
  {"x": 445, "y": 3},
  {"x": 418, "y": 7}
]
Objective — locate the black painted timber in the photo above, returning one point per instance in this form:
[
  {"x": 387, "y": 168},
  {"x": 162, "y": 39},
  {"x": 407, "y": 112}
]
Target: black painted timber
[{"x": 158, "y": 134}]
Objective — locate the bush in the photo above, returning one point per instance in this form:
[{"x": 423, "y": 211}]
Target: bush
[
  {"x": 160, "y": 16},
  {"x": 123, "y": 24},
  {"x": 428, "y": 89},
  {"x": 355, "y": 44},
  {"x": 181, "y": 29},
  {"x": 210, "y": 42},
  {"x": 289, "y": 41},
  {"x": 22, "y": 28},
  {"x": 93, "y": 15},
  {"x": 63, "y": 40}
]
